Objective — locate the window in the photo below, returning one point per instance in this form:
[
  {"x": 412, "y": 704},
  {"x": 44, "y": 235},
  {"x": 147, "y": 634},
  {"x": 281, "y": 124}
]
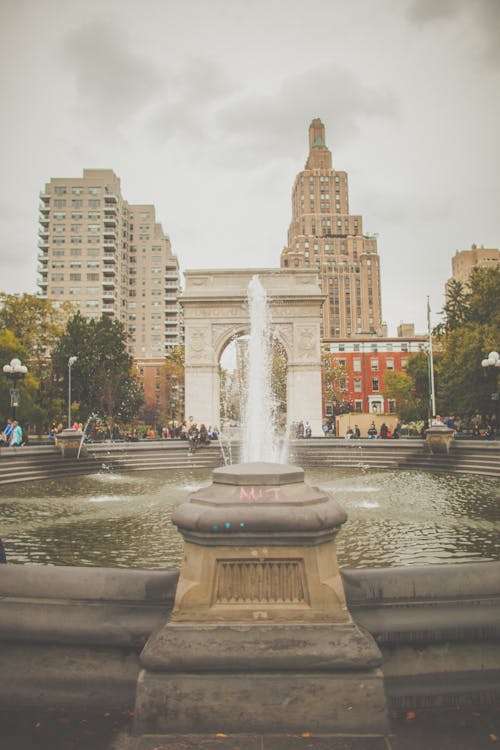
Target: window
[
  {"x": 358, "y": 406},
  {"x": 77, "y": 190},
  {"x": 374, "y": 364},
  {"x": 94, "y": 228},
  {"x": 60, "y": 190},
  {"x": 95, "y": 190},
  {"x": 390, "y": 363},
  {"x": 57, "y": 277},
  {"x": 357, "y": 385},
  {"x": 76, "y": 203},
  {"x": 75, "y": 276},
  {"x": 375, "y": 385},
  {"x": 61, "y": 203},
  {"x": 92, "y": 277},
  {"x": 391, "y": 402},
  {"x": 93, "y": 203},
  {"x": 59, "y": 215},
  {"x": 76, "y": 215},
  {"x": 356, "y": 363}
]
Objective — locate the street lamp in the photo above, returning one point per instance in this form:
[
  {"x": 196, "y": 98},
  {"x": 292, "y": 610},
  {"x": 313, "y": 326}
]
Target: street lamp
[
  {"x": 173, "y": 397},
  {"x": 71, "y": 362},
  {"x": 492, "y": 365},
  {"x": 15, "y": 371}
]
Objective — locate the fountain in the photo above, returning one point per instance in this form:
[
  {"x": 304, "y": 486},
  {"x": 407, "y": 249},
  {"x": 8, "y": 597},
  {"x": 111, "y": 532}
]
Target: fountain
[
  {"x": 262, "y": 616},
  {"x": 261, "y": 441}
]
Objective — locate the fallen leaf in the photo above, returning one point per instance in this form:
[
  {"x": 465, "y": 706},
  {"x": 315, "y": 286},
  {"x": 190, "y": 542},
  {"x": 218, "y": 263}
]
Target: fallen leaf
[
  {"x": 411, "y": 715},
  {"x": 493, "y": 737},
  {"x": 219, "y": 734},
  {"x": 38, "y": 725},
  {"x": 305, "y": 734}
]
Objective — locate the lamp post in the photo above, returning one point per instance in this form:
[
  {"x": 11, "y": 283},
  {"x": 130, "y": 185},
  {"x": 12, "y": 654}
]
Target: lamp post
[
  {"x": 174, "y": 389},
  {"x": 71, "y": 362},
  {"x": 15, "y": 371},
  {"x": 492, "y": 365}
]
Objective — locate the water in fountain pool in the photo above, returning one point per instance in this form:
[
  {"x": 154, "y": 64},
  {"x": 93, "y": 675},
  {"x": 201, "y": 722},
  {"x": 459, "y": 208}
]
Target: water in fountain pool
[{"x": 124, "y": 520}]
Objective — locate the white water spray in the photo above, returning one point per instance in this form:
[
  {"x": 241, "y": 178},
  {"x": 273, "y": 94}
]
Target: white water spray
[{"x": 260, "y": 439}]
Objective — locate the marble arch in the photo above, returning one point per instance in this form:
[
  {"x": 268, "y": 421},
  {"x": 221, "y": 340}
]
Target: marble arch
[{"x": 215, "y": 310}]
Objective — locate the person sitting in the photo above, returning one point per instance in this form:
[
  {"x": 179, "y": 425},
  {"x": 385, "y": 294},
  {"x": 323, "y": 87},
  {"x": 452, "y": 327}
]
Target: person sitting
[{"x": 16, "y": 435}]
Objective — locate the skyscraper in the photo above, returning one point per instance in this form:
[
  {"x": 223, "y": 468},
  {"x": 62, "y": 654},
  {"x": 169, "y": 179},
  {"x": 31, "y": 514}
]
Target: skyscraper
[
  {"x": 324, "y": 235},
  {"x": 109, "y": 257}
]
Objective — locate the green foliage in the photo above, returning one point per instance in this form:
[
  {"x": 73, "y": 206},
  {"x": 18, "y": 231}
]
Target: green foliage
[
  {"x": 102, "y": 377},
  {"x": 463, "y": 387},
  {"x": 331, "y": 374},
  {"x": 27, "y": 412},
  {"x": 36, "y": 322}
]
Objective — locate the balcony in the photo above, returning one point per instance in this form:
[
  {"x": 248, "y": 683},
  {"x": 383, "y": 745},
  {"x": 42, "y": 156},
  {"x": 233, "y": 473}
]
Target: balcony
[
  {"x": 108, "y": 245},
  {"x": 109, "y": 270},
  {"x": 43, "y": 232},
  {"x": 110, "y": 211},
  {"x": 43, "y": 244},
  {"x": 43, "y": 282},
  {"x": 111, "y": 199},
  {"x": 109, "y": 260},
  {"x": 45, "y": 197},
  {"x": 108, "y": 309},
  {"x": 109, "y": 283},
  {"x": 43, "y": 258},
  {"x": 109, "y": 298},
  {"x": 44, "y": 209},
  {"x": 109, "y": 222},
  {"x": 44, "y": 220},
  {"x": 109, "y": 233}
]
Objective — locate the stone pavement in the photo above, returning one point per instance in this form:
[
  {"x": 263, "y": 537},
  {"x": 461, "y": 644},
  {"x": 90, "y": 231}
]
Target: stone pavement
[{"x": 431, "y": 729}]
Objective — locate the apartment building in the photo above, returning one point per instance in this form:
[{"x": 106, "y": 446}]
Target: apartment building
[
  {"x": 323, "y": 234},
  {"x": 362, "y": 365},
  {"x": 109, "y": 257},
  {"x": 465, "y": 261}
]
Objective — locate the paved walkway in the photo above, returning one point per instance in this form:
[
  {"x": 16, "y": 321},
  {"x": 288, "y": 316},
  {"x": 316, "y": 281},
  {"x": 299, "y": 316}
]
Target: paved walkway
[{"x": 445, "y": 729}]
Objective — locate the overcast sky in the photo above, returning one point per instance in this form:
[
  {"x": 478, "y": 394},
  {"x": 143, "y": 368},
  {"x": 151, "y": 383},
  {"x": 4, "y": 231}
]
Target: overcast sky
[{"x": 202, "y": 107}]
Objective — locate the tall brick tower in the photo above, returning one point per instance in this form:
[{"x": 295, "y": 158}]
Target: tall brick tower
[{"x": 324, "y": 235}]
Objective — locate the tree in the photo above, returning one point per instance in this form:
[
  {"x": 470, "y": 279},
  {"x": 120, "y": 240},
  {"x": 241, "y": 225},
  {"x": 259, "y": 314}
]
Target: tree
[
  {"x": 102, "y": 377},
  {"x": 37, "y": 323},
  {"x": 401, "y": 387},
  {"x": 10, "y": 348},
  {"x": 463, "y": 387},
  {"x": 332, "y": 377}
]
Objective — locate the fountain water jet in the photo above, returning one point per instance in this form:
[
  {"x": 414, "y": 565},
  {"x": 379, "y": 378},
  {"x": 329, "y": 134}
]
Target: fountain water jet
[{"x": 260, "y": 439}]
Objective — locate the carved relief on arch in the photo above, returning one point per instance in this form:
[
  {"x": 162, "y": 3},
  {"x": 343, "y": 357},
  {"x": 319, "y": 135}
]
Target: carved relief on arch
[
  {"x": 222, "y": 335},
  {"x": 307, "y": 343},
  {"x": 284, "y": 334},
  {"x": 198, "y": 349}
]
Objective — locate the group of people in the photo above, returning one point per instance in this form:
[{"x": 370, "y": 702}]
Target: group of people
[
  {"x": 12, "y": 434},
  {"x": 384, "y": 432},
  {"x": 301, "y": 429}
]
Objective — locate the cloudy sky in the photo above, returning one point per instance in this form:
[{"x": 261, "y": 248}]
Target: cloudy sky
[{"x": 202, "y": 107}]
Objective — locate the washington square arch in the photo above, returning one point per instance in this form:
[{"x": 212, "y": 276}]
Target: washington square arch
[{"x": 216, "y": 311}]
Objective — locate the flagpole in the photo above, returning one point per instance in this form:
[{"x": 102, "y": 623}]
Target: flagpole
[{"x": 432, "y": 393}]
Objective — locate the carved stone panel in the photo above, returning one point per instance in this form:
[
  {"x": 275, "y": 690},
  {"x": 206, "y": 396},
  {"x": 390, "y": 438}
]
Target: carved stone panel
[{"x": 260, "y": 582}]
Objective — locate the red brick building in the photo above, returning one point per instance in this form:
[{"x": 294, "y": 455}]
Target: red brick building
[{"x": 364, "y": 363}]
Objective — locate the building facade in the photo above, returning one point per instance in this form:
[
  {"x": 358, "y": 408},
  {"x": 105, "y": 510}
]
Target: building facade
[
  {"x": 362, "y": 366},
  {"x": 324, "y": 235},
  {"x": 465, "y": 261},
  {"x": 109, "y": 257}
]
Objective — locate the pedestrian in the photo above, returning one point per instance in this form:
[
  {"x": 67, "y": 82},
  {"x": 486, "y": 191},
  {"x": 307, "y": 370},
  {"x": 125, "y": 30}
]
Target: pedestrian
[
  {"x": 372, "y": 431},
  {"x": 16, "y": 435},
  {"x": 357, "y": 432},
  {"x": 6, "y": 433},
  {"x": 383, "y": 431}
]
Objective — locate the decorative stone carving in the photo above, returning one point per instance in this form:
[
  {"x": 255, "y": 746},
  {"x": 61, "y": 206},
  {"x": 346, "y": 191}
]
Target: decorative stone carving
[{"x": 271, "y": 581}]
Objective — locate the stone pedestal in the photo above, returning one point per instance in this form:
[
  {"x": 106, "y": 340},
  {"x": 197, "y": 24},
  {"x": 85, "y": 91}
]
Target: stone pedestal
[
  {"x": 439, "y": 439},
  {"x": 69, "y": 442},
  {"x": 260, "y": 638}
]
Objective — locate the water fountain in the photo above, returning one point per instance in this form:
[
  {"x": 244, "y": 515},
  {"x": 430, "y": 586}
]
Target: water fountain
[{"x": 261, "y": 441}]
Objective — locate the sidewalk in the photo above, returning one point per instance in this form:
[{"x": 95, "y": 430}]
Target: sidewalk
[{"x": 444, "y": 729}]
